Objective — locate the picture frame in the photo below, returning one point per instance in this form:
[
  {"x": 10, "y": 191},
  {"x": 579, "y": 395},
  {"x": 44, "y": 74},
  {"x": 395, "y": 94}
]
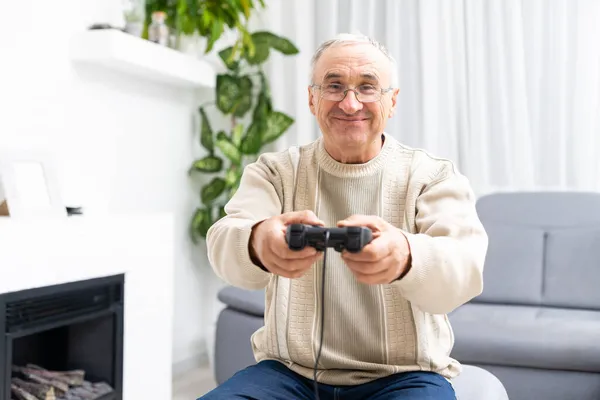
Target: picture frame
[{"x": 29, "y": 184}]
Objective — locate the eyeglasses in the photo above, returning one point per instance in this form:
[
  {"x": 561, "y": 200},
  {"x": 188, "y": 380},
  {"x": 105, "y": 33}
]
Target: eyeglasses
[{"x": 364, "y": 93}]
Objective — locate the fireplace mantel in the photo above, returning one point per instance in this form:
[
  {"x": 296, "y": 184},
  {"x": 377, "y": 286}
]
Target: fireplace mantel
[{"x": 43, "y": 252}]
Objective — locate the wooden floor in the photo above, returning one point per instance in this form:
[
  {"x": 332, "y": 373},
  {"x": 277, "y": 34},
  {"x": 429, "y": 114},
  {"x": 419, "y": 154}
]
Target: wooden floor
[{"x": 193, "y": 384}]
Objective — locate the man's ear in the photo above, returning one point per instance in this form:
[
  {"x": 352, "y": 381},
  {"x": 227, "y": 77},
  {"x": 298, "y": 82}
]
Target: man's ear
[
  {"x": 311, "y": 104},
  {"x": 394, "y": 102}
]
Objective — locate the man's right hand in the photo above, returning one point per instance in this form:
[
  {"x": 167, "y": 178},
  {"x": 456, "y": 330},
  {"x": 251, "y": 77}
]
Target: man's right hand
[{"x": 269, "y": 247}]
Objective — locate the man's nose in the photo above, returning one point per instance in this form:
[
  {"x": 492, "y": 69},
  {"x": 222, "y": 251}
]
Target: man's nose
[{"x": 350, "y": 103}]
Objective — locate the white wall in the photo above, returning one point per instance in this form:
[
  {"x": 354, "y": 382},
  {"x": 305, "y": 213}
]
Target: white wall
[{"x": 123, "y": 144}]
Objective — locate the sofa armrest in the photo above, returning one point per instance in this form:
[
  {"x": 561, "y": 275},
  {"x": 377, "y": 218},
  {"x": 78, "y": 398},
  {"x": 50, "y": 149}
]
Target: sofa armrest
[{"x": 247, "y": 301}]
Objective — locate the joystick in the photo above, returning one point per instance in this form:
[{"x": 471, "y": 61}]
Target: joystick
[{"x": 351, "y": 238}]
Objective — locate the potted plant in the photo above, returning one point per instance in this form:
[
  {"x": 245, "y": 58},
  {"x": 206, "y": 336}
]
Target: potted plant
[
  {"x": 208, "y": 19},
  {"x": 243, "y": 96}
]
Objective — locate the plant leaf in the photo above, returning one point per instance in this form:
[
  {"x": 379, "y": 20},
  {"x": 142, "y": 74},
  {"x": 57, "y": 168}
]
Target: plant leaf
[
  {"x": 244, "y": 103},
  {"x": 232, "y": 176},
  {"x": 284, "y": 46},
  {"x": 201, "y": 222},
  {"x": 206, "y": 133},
  {"x": 279, "y": 43},
  {"x": 263, "y": 105},
  {"x": 252, "y": 141},
  {"x": 227, "y": 92},
  {"x": 212, "y": 190},
  {"x": 227, "y": 55},
  {"x": 261, "y": 51},
  {"x": 215, "y": 34},
  {"x": 247, "y": 42},
  {"x": 222, "y": 212},
  {"x": 236, "y": 134},
  {"x": 208, "y": 164},
  {"x": 195, "y": 225},
  {"x": 204, "y": 22},
  {"x": 228, "y": 10},
  {"x": 206, "y": 224},
  {"x": 186, "y": 23},
  {"x": 234, "y": 94},
  {"x": 246, "y": 7},
  {"x": 228, "y": 149},
  {"x": 275, "y": 125}
]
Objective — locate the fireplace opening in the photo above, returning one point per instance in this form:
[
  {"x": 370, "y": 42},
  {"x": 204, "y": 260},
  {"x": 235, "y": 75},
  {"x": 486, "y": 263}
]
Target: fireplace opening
[{"x": 63, "y": 342}]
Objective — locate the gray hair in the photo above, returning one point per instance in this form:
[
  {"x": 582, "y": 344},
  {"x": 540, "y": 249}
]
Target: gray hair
[{"x": 353, "y": 38}]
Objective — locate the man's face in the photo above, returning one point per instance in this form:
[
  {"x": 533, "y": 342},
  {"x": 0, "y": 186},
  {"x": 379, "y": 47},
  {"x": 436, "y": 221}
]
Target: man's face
[{"x": 349, "y": 124}]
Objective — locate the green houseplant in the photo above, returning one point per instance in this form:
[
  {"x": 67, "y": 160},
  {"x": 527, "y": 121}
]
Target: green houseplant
[
  {"x": 242, "y": 94},
  {"x": 243, "y": 98},
  {"x": 207, "y": 18}
]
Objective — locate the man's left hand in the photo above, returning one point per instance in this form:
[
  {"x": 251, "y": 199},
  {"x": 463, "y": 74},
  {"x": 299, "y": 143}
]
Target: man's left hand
[{"x": 383, "y": 260}]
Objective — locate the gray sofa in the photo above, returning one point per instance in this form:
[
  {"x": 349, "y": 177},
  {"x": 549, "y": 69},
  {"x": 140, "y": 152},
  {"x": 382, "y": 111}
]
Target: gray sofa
[
  {"x": 536, "y": 325},
  {"x": 243, "y": 315}
]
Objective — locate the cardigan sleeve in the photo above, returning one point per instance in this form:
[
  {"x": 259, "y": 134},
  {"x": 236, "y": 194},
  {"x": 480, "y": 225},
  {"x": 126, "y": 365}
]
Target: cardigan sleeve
[
  {"x": 228, "y": 238},
  {"x": 449, "y": 248}
]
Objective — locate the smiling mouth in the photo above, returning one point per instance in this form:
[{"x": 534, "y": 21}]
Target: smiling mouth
[{"x": 351, "y": 119}]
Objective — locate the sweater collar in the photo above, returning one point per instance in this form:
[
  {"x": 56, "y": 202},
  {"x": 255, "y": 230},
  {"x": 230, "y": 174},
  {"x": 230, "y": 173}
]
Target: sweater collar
[{"x": 336, "y": 168}]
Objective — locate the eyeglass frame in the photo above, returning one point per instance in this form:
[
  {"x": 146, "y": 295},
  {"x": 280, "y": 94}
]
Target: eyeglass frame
[{"x": 356, "y": 94}]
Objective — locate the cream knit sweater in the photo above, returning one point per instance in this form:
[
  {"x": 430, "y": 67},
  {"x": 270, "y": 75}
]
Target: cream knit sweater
[{"x": 370, "y": 330}]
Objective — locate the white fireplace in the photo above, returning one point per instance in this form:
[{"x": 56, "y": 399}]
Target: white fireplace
[{"x": 38, "y": 253}]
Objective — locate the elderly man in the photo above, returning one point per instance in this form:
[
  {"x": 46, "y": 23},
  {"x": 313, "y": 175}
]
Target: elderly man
[{"x": 371, "y": 324}]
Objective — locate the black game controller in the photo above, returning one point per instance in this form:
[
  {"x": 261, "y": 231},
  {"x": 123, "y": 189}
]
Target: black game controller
[{"x": 351, "y": 238}]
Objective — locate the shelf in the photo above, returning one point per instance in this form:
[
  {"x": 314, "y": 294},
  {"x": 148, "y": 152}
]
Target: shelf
[{"x": 132, "y": 55}]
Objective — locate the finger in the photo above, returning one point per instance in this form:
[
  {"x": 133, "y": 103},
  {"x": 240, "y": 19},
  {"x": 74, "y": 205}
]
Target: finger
[
  {"x": 301, "y": 217},
  {"x": 279, "y": 247},
  {"x": 304, "y": 264},
  {"x": 292, "y": 269},
  {"x": 276, "y": 243},
  {"x": 292, "y": 264},
  {"x": 375, "y": 251},
  {"x": 304, "y": 254},
  {"x": 382, "y": 277},
  {"x": 367, "y": 268},
  {"x": 281, "y": 267}
]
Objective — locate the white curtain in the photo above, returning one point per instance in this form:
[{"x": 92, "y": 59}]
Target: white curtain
[{"x": 508, "y": 89}]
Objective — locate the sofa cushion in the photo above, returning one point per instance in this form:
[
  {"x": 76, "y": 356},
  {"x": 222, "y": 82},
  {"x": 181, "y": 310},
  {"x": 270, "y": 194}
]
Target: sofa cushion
[
  {"x": 247, "y": 301},
  {"x": 527, "y": 336},
  {"x": 475, "y": 383},
  {"x": 572, "y": 273},
  {"x": 541, "y": 209},
  {"x": 514, "y": 264}
]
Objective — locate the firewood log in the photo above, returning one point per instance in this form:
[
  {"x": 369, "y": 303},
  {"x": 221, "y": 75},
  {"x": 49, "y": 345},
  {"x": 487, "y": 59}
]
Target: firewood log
[
  {"x": 39, "y": 390},
  {"x": 71, "y": 378},
  {"x": 20, "y": 393},
  {"x": 60, "y": 388},
  {"x": 34, "y": 366}
]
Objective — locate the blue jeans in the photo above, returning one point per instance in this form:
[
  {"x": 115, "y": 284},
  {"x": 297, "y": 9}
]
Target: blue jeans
[{"x": 271, "y": 380}]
